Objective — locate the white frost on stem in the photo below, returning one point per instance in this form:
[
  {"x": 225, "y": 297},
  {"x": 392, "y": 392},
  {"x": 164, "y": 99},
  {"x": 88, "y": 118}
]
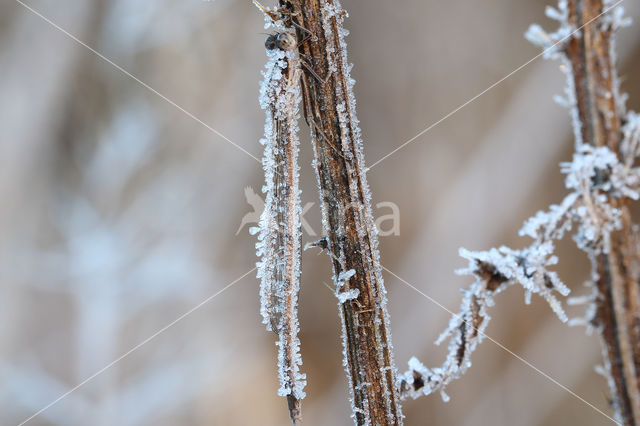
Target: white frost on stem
[
  {"x": 595, "y": 177},
  {"x": 279, "y": 232},
  {"x": 554, "y": 44},
  {"x": 352, "y": 150},
  {"x": 630, "y": 147}
]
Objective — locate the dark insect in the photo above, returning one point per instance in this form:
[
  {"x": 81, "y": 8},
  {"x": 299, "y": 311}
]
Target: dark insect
[
  {"x": 282, "y": 41},
  {"x": 271, "y": 42},
  {"x": 286, "y": 41}
]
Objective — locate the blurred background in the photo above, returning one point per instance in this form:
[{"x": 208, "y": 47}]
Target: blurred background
[{"x": 120, "y": 211}]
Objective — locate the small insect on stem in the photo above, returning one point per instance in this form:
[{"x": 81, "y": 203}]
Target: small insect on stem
[
  {"x": 270, "y": 43},
  {"x": 283, "y": 41}
]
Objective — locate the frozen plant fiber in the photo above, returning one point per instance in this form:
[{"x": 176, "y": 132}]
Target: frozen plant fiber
[{"x": 279, "y": 233}]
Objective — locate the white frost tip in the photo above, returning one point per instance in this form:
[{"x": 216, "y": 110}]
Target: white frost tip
[
  {"x": 580, "y": 300},
  {"x": 536, "y": 35},
  {"x": 562, "y": 101},
  {"x": 555, "y": 14},
  {"x": 415, "y": 364},
  {"x": 348, "y": 295},
  {"x": 599, "y": 369},
  {"x": 344, "y": 276}
]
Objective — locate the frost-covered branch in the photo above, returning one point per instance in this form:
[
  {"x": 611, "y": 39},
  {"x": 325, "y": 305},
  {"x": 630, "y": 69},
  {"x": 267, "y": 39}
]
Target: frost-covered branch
[
  {"x": 602, "y": 181},
  {"x": 351, "y": 236},
  {"x": 600, "y": 119},
  {"x": 494, "y": 270},
  {"x": 595, "y": 176},
  {"x": 279, "y": 228},
  {"x": 584, "y": 42}
]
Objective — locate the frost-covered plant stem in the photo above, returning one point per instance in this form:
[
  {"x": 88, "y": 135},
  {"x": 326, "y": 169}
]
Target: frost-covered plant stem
[
  {"x": 603, "y": 179},
  {"x": 599, "y": 109},
  {"x": 351, "y": 236},
  {"x": 279, "y": 228}
]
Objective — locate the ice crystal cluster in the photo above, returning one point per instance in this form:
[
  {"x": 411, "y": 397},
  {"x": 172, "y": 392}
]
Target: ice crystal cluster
[
  {"x": 279, "y": 231},
  {"x": 595, "y": 177}
]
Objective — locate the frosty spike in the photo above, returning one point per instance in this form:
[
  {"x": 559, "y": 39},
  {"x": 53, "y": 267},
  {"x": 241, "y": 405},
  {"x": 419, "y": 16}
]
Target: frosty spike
[{"x": 279, "y": 235}]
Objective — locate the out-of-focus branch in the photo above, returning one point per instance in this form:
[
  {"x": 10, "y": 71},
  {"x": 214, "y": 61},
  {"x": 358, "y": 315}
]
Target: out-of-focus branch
[
  {"x": 600, "y": 110},
  {"x": 603, "y": 183}
]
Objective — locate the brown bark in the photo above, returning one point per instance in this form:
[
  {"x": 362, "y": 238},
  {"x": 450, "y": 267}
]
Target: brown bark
[
  {"x": 346, "y": 207},
  {"x": 600, "y": 113}
]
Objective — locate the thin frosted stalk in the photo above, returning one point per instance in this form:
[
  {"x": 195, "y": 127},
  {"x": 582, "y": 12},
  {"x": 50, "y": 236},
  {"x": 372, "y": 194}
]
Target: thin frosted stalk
[
  {"x": 279, "y": 229},
  {"x": 616, "y": 272},
  {"x": 351, "y": 236}
]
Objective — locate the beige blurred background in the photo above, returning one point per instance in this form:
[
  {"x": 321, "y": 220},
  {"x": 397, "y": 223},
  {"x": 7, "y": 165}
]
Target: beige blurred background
[{"x": 119, "y": 211}]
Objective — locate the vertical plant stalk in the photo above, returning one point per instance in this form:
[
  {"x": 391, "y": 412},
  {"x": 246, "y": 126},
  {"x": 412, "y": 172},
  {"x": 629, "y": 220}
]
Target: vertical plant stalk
[
  {"x": 599, "y": 110},
  {"x": 603, "y": 179},
  {"x": 351, "y": 236},
  {"x": 279, "y": 229}
]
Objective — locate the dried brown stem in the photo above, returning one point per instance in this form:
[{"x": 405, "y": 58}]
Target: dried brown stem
[
  {"x": 346, "y": 207},
  {"x": 600, "y": 113}
]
